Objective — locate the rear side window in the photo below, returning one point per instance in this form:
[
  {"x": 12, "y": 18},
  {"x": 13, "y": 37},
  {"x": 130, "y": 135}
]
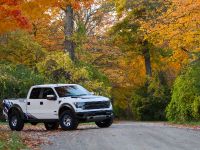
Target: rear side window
[
  {"x": 47, "y": 91},
  {"x": 35, "y": 93}
]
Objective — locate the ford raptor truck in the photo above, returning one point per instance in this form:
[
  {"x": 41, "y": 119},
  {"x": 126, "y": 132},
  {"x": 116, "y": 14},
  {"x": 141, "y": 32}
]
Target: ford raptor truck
[{"x": 66, "y": 105}]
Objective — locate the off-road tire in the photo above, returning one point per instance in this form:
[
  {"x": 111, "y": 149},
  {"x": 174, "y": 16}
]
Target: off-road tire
[
  {"x": 105, "y": 123},
  {"x": 16, "y": 123},
  {"x": 68, "y": 120}
]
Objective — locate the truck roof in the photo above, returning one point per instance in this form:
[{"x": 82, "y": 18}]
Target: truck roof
[{"x": 52, "y": 85}]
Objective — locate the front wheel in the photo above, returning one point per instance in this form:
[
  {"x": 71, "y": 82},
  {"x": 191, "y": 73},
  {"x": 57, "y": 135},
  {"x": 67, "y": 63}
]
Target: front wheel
[
  {"x": 16, "y": 123},
  {"x": 51, "y": 125},
  {"x": 105, "y": 123},
  {"x": 68, "y": 121}
]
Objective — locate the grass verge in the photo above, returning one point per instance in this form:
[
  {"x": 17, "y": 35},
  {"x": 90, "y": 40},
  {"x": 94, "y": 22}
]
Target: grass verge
[
  {"x": 11, "y": 141},
  {"x": 3, "y": 122}
]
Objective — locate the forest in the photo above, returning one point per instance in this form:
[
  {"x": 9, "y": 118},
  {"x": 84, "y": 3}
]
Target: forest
[{"x": 143, "y": 54}]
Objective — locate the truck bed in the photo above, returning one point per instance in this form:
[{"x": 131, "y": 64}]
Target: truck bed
[{"x": 8, "y": 103}]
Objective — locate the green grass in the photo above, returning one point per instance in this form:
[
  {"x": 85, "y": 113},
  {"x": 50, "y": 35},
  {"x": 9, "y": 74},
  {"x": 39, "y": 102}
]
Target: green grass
[
  {"x": 11, "y": 141},
  {"x": 3, "y": 123}
]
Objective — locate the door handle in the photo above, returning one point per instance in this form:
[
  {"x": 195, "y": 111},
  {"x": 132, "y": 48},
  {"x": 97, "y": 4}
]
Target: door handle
[
  {"x": 28, "y": 103},
  {"x": 41, "y": 103}
]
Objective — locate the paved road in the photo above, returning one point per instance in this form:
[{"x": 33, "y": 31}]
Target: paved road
[{"x": 126, "y": 136}]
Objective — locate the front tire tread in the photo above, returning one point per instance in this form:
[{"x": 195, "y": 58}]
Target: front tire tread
[{"x": 74, "y": 121}]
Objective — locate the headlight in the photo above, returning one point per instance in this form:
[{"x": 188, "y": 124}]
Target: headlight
[
  {"x": 109, "y": 103},
  {"x": 79, "y": 104}
]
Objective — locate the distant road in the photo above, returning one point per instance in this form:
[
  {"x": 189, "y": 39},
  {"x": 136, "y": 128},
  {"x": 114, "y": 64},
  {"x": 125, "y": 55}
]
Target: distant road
[{"x": 126, "y": 136}]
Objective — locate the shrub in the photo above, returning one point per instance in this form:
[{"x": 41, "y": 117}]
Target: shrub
[
  {"x": 185, "y": 102},
  {"x": 149, "y": 102},
  {"x": 15, "y": 81},
  {"x": 121, "y": 97}
]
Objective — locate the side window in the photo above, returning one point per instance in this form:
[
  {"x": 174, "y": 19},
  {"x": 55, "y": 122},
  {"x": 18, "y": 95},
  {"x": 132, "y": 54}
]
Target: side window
[
  {"x": 35, "y": 93},
  {"x": 47, "y": 91}
]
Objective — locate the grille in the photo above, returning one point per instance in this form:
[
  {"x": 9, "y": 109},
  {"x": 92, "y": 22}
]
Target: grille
[{"x": 97, "y": 105}]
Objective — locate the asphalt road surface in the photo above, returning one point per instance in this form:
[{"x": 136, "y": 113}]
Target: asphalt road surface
[{"x": 126, "y": 136}]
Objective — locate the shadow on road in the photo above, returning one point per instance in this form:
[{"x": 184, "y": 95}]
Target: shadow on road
[{"x": 40, "y": 128}]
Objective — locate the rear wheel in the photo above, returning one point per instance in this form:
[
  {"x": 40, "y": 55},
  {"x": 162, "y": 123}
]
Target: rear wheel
[
  {"x": 16, "y": 123},
  {"x": 68, "y": 121},
  {"x": 105, "y": 123},
  {"x": 51, "y": 125}
]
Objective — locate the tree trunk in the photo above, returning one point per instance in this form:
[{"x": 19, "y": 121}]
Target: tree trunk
[
  {"x": 68, "y": 30},
  {"x": 34, "y": 29},
  {"x": 147, "y": 59}
]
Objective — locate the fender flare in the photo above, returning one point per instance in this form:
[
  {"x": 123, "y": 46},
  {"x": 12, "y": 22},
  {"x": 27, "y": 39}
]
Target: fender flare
[
  {"x": 69, "y": 106},
  {"x": 18, "y": 108}
]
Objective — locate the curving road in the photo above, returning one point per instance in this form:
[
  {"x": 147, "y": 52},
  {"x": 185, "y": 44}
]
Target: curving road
[{"x": 126, "y": 136}]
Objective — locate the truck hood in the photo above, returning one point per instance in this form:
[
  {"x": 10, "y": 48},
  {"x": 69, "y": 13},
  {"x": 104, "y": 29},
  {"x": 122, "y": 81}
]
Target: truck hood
[{"x": 87, "y": 98}]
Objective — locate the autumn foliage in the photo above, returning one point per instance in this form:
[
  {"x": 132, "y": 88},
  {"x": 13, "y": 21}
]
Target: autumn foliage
[{"x": 11, "y": 15}]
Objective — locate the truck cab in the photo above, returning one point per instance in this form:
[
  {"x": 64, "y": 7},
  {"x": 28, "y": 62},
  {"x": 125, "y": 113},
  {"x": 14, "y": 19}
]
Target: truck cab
[{"x": 66, "y": 105}]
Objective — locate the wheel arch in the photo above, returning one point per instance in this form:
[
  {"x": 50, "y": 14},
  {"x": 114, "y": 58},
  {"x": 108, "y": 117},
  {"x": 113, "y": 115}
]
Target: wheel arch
[
  {"x": 16, "y": 108},
  {"x": 64, "y": 107}
]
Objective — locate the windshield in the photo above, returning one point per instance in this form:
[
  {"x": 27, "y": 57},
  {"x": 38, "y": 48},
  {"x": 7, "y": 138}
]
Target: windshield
[{"x": 71, "y": 90}]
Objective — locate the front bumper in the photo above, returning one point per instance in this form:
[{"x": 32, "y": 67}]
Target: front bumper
[{"x": 92, "y": 116}]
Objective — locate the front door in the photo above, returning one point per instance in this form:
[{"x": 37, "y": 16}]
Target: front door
[
  {"x": 50, "y": 107},
  {"x": 38, "y": 107}
]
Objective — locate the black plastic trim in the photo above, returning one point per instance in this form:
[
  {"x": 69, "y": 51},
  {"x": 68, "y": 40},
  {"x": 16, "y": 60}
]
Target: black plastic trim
[
  {"x": 93, "y": 115},
  {"x": 18, "y": 108},
  {"x": 66, "y": 105}
]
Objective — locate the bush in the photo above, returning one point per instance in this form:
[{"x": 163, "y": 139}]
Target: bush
[
  {"x": 15, "y": 81},
  {"x": 149, "y": 102},
  {"x": 121, "y": 97},
  {"x": 185, "y": 103}
]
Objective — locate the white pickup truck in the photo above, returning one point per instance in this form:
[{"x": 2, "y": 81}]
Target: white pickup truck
[{"x": 66, "y": 105}]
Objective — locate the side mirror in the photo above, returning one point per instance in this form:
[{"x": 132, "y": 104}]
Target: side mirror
[{"x": 51, "y": 97}]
